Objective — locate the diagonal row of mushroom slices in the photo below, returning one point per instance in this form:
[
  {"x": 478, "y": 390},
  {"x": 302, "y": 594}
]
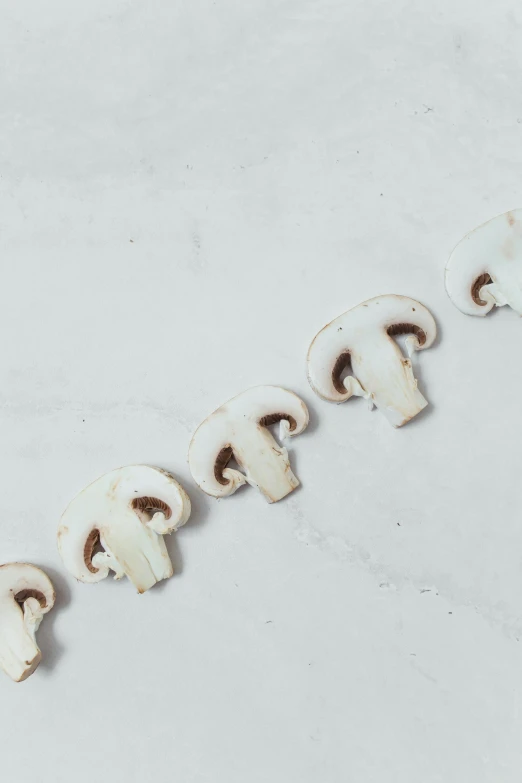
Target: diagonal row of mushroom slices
[{"x": 118, "y": 522}]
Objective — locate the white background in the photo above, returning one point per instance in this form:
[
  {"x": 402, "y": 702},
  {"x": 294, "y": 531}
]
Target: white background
[{"x": 189, "y": 191}]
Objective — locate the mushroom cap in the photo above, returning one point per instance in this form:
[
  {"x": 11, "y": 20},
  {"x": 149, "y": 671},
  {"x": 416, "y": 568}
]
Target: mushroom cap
[
  {"x": 254, "y": 408},
  {"x": 112, "y": 505},
  {"x": 18, "y": 581},
  {"x": 362, "y": 329},
  {"x": 482, "y": 256}
]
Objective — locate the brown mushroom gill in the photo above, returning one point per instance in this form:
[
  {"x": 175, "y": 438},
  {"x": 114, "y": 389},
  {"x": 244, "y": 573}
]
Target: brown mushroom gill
[
  {"x": 91, "y": 545},
  {"x": 151, "y": 505},
  {"x": 343, "y": 363},
  {"x": 482, "y": 280},
  {"x": 23, "y": 595},
  {"x": 405, "y": 328},
  {"x": 222, "y": 460},
  {"x": 274, "y": 418}
]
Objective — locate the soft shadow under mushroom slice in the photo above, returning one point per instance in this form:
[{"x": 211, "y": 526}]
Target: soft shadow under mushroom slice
[
  {"x": 362, "y": 340},
  {"x": 118, "y": 522}
]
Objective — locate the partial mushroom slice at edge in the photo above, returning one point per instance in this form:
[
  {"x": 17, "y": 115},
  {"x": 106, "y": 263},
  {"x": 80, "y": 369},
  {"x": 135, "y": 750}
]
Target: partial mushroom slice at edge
[
  {"x": 363, "y": 340},
  {"x": 238, "y": 429},
  {"x": 26, "y": 594},
  {"x": 485, "y": 268},
  {"x": 125, "y": 514}
]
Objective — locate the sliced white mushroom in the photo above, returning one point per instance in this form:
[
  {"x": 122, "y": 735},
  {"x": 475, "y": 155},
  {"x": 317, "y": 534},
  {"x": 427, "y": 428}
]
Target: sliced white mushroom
[
  {"x": 362, "y": 340},
  {"x": 485, "y": 269},
  {"x": 126, "y": 513},
  {"x": 239, "y": 430},
  {"x": 26, "y": 594}
]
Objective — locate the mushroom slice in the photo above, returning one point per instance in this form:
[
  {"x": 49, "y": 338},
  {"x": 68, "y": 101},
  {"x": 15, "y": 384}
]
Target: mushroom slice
[
  {"x": 239, "y": 430},
  {"x": 126, "y": 513},
  {"x": 485, "y": 269},
  {"x": 362, "y": 339},
  {"x": 26, "y": 594}
]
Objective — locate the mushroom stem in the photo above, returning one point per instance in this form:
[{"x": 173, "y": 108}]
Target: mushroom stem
[
  {"x": 354, "y": 389},
  {"x": 160, "y": 524},
  {"x": 390, "y": 376},
  {"x": 265, "y": 463},
  {"x": 33, "y": 616},
  {"x": 141, "y": 553},
  {"x": 19, "y": 653},
  {"x": 412, "y": 344},
  {"x": 510, "y": 295},
  {"x": 26, "y": 594},
  {"x": 105, "y": 562}
]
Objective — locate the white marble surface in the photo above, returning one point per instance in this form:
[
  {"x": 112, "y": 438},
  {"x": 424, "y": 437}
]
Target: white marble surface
[{"x": 188, "y": 192}]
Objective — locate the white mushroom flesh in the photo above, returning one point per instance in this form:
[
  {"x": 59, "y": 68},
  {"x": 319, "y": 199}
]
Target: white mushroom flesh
[
  {"x": 485, "y": 269},
  {"x": 26, "y": 594},
  {"x": 363, "y": 339},
  {"x": 126, "y": 512},
  {"x": 238, "y": 430}
]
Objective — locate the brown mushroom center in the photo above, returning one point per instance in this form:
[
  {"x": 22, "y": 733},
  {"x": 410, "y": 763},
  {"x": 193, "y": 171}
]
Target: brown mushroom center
[
  {"x": 273, "y": 418},
  {"x": 343, "y": 363},
  {"x": 405, "y": 328},
  {"x": 484, "y": 279},
  {"x": 22, "y": 596},
  {"x": 149, "y": 506},
  {"x": 222, "y": 460},
  {"x": 92, "y": 545}
]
